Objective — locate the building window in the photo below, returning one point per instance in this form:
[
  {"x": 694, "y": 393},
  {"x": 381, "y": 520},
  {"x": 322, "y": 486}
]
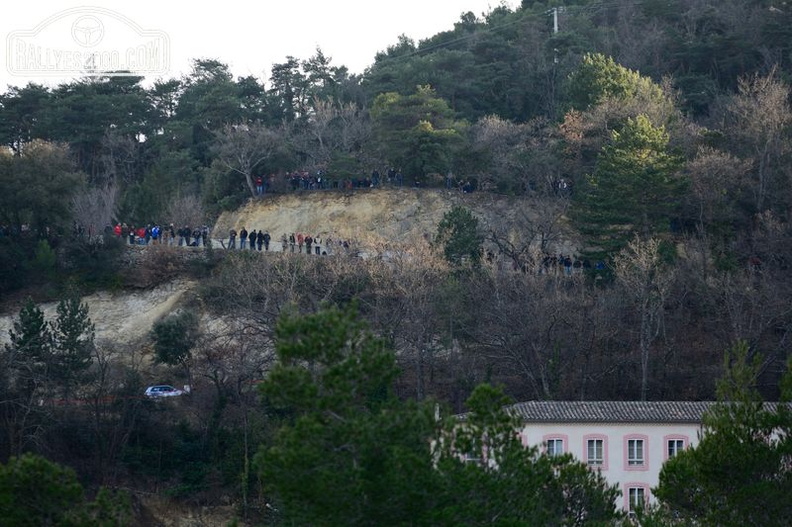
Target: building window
[
  {"x": 555, "y": 447},
  {"x": 636, "y": 448},
  {"x": 636, "y": 498},
  {"x": 595, "y": 451},
  {"x": 635, "y": 452},
  {"x": 674, "y": 444}
]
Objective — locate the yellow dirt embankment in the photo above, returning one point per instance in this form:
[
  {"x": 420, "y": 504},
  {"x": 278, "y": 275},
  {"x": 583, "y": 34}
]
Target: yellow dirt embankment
[{"x": 387, "y": 214}]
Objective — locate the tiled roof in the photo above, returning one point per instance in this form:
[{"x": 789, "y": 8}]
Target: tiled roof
[{"x": 611, "y": 411}]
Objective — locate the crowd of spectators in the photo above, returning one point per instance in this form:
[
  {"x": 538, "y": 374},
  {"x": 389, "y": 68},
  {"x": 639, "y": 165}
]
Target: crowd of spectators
[
  {"x": 296, "y": 242},
  {"x": 304, "y": 180},
  {"x": 156, "y": 234}
]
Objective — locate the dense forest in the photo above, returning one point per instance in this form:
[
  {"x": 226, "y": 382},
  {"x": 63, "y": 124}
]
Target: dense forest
[{"x": 655, "y": 136}]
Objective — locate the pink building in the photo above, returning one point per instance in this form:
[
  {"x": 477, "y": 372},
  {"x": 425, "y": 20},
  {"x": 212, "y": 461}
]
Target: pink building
[{"x": 628, "y": 441}]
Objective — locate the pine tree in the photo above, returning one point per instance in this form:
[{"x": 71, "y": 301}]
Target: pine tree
[
  {"x": 31, "y": 346},
  {"x": 74, "y": 344},
  {"x": 634, "y": 190},
  {"x": 458, "y": 233}
]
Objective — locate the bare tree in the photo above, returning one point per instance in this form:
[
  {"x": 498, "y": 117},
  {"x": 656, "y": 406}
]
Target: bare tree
[
  {"x": 647, "y": 280},
  {"x": 407, "y": 279},
  {"x": 113, "y": 413},
  {"x": 186, "y": 210},
  {"x": 525, "y": 238},
  {"x": 95, "y": 208},
  {"x": 505, "y": 145},
  {"x": 758, "y": 117},
  {"x": 119, "y": 158},
  {"x": 332, "y": 128},
  {"x": 716, "y": 178},
  {"x": 241, "y": 148}
]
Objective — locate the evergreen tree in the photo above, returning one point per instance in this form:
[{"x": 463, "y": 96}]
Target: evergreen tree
[
  {"x": 24, "y": 368},
  {"x": 31, "y": 346},
  {"x": 599, "y": 78},
  {"x": 73, "y": 334},
  {"x": 174, "y": 338},
  {"x": 35, "y": 492},
  {"x": 350, "y": 452},
  {"x": 417, "y": 132},
  {"x": 459, "y": 235},
  {"x": 635, "y": 189},
  {"x": 739, "y": 473}
]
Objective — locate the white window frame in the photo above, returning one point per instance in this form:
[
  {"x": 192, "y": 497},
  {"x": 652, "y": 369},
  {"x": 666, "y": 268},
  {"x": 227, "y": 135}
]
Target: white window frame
[
  {"x": 636, "y": 452},
  {"x": 676, "y": 440},
  {"x": 674, "y": 447},
  {"x": 595, "y": 460},
  {"x": 635, "y": 455},
  {"x": 633, "y": 494},
  {"x": 554, "y": 446}
]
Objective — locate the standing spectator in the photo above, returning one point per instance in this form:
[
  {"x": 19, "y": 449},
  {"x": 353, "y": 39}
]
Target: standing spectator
[
  {"x": 205, "y": 235},
  {"x": 171, "y": 235},
  {"x": 300, "y": 241},
  {"x": 243, "y": 234},
  {"x": 252, "y": 239},
  {"x": 292, "y": 241},
  {"x": 308, "y": 244},
  {"x": 317, "y": 242},
  {"x": 117, "y": 230},
  {"x": 567, "y": 265},
  {"x": 232, "y": 234},
  {"x": 284, "y": 242},
  {"x": 259, "y": 186},
  {"x": 132, "y": 235},
  {"x": 265, "y": 238},
  {"x": 196, "y": 234}
]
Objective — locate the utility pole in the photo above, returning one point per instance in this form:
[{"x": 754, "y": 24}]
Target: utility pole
[
  {"x": 556, "y": 11},
  {"x": 555, "y": 20}
]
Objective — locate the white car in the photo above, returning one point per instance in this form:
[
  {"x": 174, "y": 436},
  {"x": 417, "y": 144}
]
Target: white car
[{"x": 163, "y": 390}]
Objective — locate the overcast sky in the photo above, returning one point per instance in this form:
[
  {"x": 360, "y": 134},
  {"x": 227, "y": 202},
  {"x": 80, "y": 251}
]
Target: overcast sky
[{"x": 50, "y": 44}]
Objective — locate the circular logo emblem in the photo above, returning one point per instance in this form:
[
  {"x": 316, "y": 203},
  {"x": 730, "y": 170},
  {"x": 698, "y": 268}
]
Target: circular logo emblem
[{"x": 87, "y": 31}]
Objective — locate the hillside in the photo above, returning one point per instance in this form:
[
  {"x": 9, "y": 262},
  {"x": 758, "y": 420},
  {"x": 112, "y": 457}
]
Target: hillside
[{"x": 373, "y": 218}]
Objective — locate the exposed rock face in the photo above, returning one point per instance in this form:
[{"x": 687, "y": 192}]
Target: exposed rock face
[
  {"x": 122, "y": 318},
  {"x": 379, "y": 214}
]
